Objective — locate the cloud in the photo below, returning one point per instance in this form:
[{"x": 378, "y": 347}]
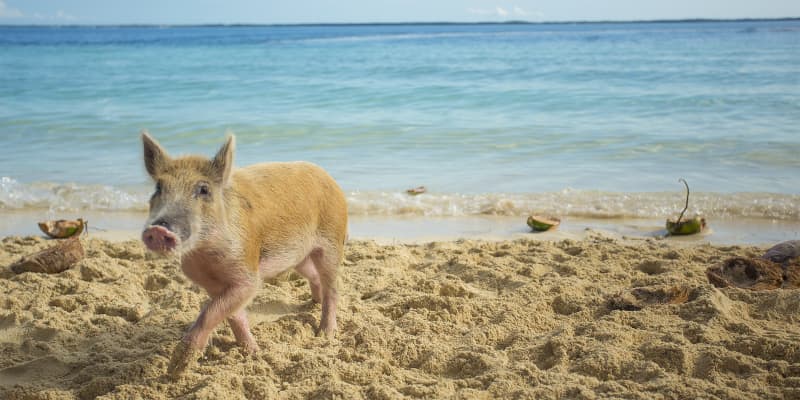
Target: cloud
[
  {"x": 503, "y": 12},
  {"x": 478, "y": 11},
  {"x": 519, "y": 11},
  {"x": 64, "y": 16},
  {"x": 60, "y": 15},
  {"x": 8, "y": 12}
]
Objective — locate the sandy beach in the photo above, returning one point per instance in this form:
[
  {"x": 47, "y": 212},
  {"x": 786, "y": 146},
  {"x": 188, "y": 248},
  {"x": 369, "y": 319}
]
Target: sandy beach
[
  {"x": 635, "y": 115},
  {"x": 458, "y": 319}
]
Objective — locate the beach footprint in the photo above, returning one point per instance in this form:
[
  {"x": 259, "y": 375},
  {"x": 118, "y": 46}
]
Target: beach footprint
[
  {"x": 270, "y": 311},
  {"x": 10, "y": 332},
  {"x": 37, "y": 370}
]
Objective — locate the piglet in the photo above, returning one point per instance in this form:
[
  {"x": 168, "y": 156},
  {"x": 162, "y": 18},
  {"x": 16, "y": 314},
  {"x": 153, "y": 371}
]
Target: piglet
[{"x": 232, "y": 228}]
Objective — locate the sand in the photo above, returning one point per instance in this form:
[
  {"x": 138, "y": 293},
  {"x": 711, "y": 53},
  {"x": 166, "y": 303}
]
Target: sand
[{"x": 460, "y": 319}]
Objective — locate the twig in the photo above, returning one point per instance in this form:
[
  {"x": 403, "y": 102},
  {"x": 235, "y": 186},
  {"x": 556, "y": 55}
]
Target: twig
[{"x": 687, "y": 200}]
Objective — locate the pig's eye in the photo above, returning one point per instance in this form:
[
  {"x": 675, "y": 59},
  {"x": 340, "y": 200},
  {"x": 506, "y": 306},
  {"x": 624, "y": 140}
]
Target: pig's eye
[
  {"x": 202, "y": 190},
  {"x": 158, "y": 188}
]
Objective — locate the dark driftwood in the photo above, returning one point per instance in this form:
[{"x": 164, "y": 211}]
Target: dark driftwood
[{"x": 51, "y": 260}]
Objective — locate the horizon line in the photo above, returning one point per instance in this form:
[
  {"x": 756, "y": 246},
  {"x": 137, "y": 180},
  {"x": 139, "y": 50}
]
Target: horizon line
[{"x": 322, "y": 24}]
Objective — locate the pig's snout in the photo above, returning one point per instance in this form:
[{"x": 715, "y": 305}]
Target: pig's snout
[{"x": 160, "y": 239}]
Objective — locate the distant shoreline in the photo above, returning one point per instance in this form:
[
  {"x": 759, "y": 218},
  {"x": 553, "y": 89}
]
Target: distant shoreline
[{"x": 443, "y": 23}]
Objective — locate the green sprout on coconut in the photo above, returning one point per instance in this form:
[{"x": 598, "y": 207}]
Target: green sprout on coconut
[{"x": 689, "y": 226}]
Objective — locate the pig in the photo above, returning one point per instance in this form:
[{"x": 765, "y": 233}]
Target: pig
[{"x": 232, "y": 227}]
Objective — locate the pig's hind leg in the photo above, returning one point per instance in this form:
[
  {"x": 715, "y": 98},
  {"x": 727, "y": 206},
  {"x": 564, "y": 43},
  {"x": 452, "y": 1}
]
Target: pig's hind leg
[
  {"x": 319, "y": 267},
  {"x": 308, "y": 270},
  {"x": 326, "y": 264}
]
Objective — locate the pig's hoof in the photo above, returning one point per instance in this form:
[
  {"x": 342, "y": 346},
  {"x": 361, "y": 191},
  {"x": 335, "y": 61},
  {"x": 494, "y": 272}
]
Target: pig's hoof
[
  {"x": 250, "y": 347},
  {"x": 182, "y": 357},
  {"x": 329, "y": 333}
]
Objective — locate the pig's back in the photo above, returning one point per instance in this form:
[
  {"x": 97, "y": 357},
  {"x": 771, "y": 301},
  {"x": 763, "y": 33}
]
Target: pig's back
[{"x": 284, "y": 204}]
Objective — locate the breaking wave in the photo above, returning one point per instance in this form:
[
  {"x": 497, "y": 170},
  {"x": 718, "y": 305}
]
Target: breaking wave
[
  {"x": 569, "y": 202},
  {"x": 70, "y": 197}
]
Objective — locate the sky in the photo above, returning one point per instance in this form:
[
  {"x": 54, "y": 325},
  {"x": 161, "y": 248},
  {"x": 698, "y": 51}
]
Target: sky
[{"x": 99, "y": 12}]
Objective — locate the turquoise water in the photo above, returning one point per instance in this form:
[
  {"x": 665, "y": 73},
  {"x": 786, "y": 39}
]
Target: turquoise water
[{"x": 576, "y": 119}]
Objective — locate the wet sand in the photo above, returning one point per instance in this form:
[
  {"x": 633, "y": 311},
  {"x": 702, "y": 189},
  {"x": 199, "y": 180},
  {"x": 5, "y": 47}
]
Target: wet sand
[
  {"x": 119, "y": 226},
  {"x": 526, "y": 318}
]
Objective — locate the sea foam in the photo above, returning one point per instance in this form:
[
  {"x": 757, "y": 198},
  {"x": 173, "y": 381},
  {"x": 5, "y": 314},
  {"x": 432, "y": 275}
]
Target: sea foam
[{"x": 71, "y": 197}]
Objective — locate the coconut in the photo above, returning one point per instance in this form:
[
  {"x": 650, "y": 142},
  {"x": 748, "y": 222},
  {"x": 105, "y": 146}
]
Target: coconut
[
  {"x": 687, "y": 226},
  {"x": 417, "y": 190},
  {"x": 541, "y": 224},
  {"x": 62, "y": 228},
  {"x": 682, "y": 226}
]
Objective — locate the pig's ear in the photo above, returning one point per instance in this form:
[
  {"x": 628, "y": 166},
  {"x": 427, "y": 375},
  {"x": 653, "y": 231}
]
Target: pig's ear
[
  {"x": 155, "y": 157},
  {"x": 222, "y": 164}
]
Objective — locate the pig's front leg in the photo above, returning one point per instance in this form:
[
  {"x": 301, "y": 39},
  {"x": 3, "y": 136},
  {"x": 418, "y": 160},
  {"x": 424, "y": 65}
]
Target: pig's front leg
[{"x": 227, "y": 303}]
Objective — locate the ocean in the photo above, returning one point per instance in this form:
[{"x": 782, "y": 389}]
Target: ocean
[{"x": 581, "y": 120}]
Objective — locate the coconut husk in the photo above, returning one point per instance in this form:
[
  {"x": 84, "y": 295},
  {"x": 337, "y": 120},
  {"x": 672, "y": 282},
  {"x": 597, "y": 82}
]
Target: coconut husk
[
  {"x": 63, "y": 228},
  {"x": 417, "y": 190},
  {"x": 791, "y": 274},
  {"x": 784, "y": 252},
  {"x": 52, "y": 260},
  {"x": 687, "y": 226},
  {"x": 639, "y": 298},
  {"x": 746, "y": 273},
  {"x": 541, "y": 224}
]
